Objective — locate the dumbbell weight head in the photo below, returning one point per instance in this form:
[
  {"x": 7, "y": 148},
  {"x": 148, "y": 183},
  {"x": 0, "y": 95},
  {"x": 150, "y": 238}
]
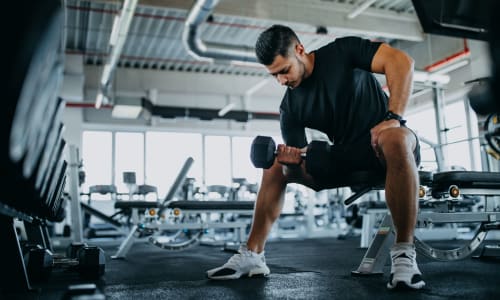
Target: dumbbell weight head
[
  {"x": 27, "y": 246},
  {"x": 318, "y": 158},
  {"x": 66, "y": 230},
  {"x": 39, "y": 263},
  {"x": 73, "y": 248},
  {"x": 91, "y": 262},
  {"x": 262, "y": 152}
]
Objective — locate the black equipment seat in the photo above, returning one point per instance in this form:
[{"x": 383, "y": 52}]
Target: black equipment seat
[
  {"x": 467, "y": 182},
  {"x": 362, "y": 182},
  {"x": 102, "y": 189},
  {"x": 142, "y": 190},
  {"x": 189, "y": 205},
  {"x": 145, "y": 189},
  {"x": 426, "y": 177},
  {"x": 125, "y": 204},
  {"x": 372, "y": 179},
  {"x": 212, "y": 205},
  {"x": 92, "y": 211}
]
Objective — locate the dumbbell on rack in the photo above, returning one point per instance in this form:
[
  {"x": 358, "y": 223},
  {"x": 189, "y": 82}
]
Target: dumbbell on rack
[
  {"x": 263, "y": 153},
  {"x": 88, "y": 261}
]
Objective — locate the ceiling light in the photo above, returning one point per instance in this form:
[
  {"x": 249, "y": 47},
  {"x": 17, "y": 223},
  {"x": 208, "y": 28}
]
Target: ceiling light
[{"x": 126, "y": 108}]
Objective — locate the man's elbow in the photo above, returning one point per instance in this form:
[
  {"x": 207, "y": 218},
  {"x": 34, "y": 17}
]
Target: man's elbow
[{"x": 406, "y": 61}]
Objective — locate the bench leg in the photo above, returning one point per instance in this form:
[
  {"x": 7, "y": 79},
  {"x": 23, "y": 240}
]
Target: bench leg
[
  {"x": 126, "y": 244},
  {"x": 14, "y": 277},
  {"x": 376, "y": 256}
]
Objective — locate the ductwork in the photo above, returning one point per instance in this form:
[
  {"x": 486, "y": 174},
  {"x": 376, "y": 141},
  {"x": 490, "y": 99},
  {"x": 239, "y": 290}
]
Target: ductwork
[
  {"x": 205, "y": 114},
  {"x": 198, "y": 49},
  {"x": 119, "y": 32}
]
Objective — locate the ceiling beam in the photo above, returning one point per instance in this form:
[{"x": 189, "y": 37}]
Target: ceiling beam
[{"x": 333, "y": 15}]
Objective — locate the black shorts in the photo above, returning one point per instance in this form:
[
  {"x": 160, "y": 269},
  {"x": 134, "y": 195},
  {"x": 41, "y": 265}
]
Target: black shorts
[{"x": 358, "y": 156}]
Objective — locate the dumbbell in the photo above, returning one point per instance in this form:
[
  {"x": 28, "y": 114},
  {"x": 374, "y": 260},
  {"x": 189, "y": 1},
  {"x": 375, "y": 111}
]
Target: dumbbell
[
  {"x": 73, "y": 248},
  {"x": 38, "y": 262},
  {"x": 89, "y": 262},
  {"x": 263, "y": 152}
]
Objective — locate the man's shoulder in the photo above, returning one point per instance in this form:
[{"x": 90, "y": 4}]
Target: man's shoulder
[
  {"x": 338, "y": 45},
  {"x": 341, "y": 41}
]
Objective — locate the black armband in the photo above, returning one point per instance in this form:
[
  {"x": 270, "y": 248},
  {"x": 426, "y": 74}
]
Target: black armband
[{"x": 389, "y": 115}]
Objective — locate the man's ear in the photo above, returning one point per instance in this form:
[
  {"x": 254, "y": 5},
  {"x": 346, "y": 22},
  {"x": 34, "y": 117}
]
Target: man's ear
[{"x": 299, "y": 48}]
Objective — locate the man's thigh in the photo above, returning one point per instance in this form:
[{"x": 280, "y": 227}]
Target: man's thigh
[{"x": 349, "y": 158}]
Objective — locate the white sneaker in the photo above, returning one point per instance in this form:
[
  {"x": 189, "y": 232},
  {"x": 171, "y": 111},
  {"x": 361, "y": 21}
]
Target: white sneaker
[
  {"x": 244, "y": 263},
  {"x": 404, "y": 269}
]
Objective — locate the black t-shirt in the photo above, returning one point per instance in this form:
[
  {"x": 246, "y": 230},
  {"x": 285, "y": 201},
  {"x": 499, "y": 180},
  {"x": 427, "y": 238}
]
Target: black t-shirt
[{"x": 341, "y": 97}]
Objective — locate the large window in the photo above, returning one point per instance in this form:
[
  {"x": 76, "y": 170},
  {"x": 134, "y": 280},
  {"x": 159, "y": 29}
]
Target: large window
[
  {"x": 424, "y": 125},
  {"x": 166, "y": 152},
  {"x": 242, "y": 165},
  {"x": 129, "y": 157},
  {"x": 458, "y": 151},
  {"x": 156, "y": 158},
  {"x": 217, "y": 160},
  {"x": 459, "y": 137},
  {"x": 97, "y": 158}
]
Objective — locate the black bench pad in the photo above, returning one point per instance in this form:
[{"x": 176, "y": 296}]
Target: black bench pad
[
  {"x": 186, "y": 205},
  {"x": 136, "y": 204},
  {"x": 466, "y": 179},
  {"x": 361, "y": 179},
  {"x": 212, "y": 205}
]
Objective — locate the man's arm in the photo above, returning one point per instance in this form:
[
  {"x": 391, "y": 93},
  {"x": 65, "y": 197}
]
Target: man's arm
[
  {"x": 288, "y": 154},
  {"x": 398, "y": 69}
]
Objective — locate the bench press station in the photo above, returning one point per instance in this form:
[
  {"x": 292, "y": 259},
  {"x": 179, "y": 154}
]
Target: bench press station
[
  {"x": 446, "y": 188},
  {"x": 177, "y": 225}
]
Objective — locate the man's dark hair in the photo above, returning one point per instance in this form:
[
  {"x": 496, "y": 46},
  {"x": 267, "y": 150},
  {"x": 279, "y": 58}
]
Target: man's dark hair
[{"x": 274, "y": 41}]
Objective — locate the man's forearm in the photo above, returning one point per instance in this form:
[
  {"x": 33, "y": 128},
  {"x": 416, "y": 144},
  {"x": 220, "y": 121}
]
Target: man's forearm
[{"x": 399, "y": 75}]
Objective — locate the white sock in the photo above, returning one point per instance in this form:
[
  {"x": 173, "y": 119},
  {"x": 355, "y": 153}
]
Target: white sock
[{"x": 403, "y": 246}]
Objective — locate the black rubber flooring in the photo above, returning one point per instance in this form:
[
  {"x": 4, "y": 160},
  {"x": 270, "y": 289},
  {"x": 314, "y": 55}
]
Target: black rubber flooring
[{"x": 305, "y": 269}]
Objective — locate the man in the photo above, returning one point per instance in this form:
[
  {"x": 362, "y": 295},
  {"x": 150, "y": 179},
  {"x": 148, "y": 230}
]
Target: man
[{"x": 332, "y": 89}]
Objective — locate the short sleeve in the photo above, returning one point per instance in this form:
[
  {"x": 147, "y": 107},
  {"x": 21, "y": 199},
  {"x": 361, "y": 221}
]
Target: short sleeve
[
  {"x": 293, "y": 133},
  {"x": 357, "y": 51}
]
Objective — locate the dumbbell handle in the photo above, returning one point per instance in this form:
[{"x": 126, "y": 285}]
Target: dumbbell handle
[
  {"x": 65, "y": 262},
  {"x": 302, "y": 154}
]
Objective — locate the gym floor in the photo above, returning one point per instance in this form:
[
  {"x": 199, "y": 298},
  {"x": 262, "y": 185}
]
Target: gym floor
[{"x": 306, "y": 269}]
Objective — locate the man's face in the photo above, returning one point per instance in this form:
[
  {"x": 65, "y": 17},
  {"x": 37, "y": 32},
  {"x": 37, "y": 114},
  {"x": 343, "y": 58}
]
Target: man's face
[{"x": 289, "y": 71}]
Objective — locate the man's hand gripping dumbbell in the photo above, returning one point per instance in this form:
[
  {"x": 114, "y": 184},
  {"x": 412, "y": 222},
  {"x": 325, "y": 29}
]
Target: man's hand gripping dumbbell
[{"x": 317, "y": 154}]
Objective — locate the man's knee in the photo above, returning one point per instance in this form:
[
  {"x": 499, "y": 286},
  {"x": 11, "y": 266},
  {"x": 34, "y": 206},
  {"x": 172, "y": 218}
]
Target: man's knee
[{"x": 397, "y": 142}]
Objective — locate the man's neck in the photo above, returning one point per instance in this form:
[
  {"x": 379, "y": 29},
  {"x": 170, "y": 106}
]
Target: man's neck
[{"x": 309, "y": 63}]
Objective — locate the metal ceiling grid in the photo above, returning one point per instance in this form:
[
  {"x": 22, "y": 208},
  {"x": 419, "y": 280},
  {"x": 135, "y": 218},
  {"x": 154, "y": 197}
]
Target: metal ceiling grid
[{"x": 154, "y": 39}]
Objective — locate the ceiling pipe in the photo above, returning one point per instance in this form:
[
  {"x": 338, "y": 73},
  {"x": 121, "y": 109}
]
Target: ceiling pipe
[
  {"x": 449, "y": 59},
  {"x": 356, "y": 12},
  {"x": 119, "y": 32},
  {"x": 198, "y": 49},
  {"x": 206, "y": 114},
  {"x": 86, "y": 105}
]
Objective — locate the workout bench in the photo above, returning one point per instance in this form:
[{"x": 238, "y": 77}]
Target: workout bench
[
  {"x": 181, "y": 208},
  {"x": 446, "y": 188}
]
